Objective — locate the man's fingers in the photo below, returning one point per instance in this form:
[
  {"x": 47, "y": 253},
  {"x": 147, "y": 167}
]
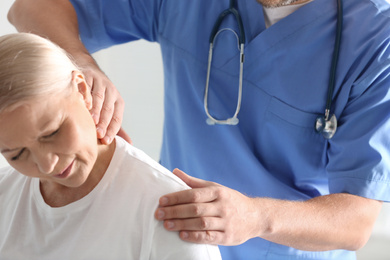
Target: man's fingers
[
  {"x": 107, "y": 105},
  {"x": 111, "y": 114},
  {"x": 98, "y": 95},
  {"x": 192, "y": 181},
  {"x": 106, "y": 113},
  {"x": 195, "y": 224},
  {"x": 187, "y": 211},
  {"x": 200, "y": 195},
  {"x": 202, "y": 191},
  {"x": 204, "y": 237},
  {"x": 115, "y": 124}
]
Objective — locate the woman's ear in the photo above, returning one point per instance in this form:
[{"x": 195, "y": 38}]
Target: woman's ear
[{"x": 79, "y": 82}]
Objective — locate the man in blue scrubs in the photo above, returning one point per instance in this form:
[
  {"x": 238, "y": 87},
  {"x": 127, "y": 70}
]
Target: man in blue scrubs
[{"x": 288, "y": 193}]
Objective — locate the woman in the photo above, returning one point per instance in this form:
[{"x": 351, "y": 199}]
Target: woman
[{"x": 66, "y": 195}]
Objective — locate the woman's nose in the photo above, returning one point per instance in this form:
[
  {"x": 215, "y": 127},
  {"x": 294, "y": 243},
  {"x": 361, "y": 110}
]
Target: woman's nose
[{"x": 45, "y": 161}]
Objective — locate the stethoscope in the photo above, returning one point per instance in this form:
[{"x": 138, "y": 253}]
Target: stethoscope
[{"x": 325, "y": 124}]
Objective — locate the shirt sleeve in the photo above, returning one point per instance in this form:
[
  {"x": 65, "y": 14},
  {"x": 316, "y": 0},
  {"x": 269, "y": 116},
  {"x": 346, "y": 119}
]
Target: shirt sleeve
[
  {"x": 359, "y": 154},
  {"x": 103, "y": 23},
  {"x": 166, "y": 245}
]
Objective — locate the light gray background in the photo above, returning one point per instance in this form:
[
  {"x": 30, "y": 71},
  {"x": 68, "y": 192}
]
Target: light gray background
[{"x": 136, "y": 70}]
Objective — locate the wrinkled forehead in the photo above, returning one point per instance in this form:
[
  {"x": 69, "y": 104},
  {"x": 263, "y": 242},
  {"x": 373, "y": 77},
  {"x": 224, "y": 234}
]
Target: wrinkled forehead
[
  {"x": 27, "y": 121},
  {"x": 15, "y": 100},
  {"x": 15, "y": 121},
  {"x": 19, "y": 95}
]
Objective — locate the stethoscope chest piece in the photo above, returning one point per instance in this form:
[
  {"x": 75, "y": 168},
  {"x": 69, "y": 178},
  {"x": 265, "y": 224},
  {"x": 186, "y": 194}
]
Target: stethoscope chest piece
[{"x": 327, "y": 127}]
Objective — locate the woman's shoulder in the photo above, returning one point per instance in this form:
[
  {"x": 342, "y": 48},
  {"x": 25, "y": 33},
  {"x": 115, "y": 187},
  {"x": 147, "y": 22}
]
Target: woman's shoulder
[
  {"x": 11, "y": 180},
  {"x": 8, "y": 173},
  {"x": 142, "y": 169}
]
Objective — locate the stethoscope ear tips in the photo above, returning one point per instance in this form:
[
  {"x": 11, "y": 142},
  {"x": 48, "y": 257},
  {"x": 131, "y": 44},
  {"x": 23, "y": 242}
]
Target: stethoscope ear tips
[
  {"x": 230, "y": 121},
  {"x": 327, "y": 127},
  {"x": 209, "y": 121}
]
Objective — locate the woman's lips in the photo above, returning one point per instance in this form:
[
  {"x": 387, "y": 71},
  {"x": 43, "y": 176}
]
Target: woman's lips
[{"x": 65, "y": 173}]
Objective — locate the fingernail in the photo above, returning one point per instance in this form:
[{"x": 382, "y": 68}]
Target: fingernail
[
  {"x": 107, "y": 139},
  {"x": 160, "y": 214},
  {"x": 170, "y": 224},
  {"x": 95, "y": 118},
  {"x": 163, "y": 201},
  {"x": 184, "y": 235},
  {"x": 100, "y": 132}
]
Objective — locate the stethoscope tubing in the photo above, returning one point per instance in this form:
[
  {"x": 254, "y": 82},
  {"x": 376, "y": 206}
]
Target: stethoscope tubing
[
  {"x": 335, "y": 59},
  {"x": 241, "y": 46},
  {"x": 230, "y": 10}
]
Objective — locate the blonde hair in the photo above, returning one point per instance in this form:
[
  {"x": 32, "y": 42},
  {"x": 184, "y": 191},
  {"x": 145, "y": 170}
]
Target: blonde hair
[{"x": 31, "y": 67}]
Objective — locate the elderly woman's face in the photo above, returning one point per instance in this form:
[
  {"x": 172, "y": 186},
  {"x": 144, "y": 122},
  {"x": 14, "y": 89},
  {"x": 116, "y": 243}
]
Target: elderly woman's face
[{"x": 53, "y": 139}]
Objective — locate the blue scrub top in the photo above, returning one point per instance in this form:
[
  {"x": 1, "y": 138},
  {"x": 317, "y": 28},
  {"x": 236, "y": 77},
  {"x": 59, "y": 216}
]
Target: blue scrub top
[{"x": 274, "y": 151}]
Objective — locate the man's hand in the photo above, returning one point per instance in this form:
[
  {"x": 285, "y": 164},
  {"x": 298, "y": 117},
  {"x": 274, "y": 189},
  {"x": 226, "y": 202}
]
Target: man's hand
[
  {"x": 213, "y": 214},
  {"x": 208, "y": 213},
  {"x": 107, "y": 104}
]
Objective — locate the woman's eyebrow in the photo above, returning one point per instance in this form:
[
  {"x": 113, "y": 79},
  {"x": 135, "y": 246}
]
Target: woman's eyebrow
[
  {"x": 46, "y": 125},
  {"x": 50, "y": 123}
]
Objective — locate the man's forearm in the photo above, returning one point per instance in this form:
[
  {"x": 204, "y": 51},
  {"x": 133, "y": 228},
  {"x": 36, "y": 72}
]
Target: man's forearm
[
  {"x": 53, "y": 19},
  {"x": 336, "y": 221}
]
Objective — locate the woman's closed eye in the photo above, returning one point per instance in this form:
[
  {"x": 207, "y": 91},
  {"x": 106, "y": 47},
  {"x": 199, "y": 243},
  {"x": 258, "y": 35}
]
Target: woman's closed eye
[
  {"x": 51, "y": 134},
  {"x": 18, "y": 155}
]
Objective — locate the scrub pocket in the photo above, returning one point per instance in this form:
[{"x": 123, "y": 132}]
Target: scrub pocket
[{"x": 295, "y": 152}]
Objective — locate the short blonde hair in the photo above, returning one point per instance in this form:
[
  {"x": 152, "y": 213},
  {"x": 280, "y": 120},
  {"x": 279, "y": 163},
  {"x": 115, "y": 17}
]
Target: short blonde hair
[{"x": 31, "y": 67}]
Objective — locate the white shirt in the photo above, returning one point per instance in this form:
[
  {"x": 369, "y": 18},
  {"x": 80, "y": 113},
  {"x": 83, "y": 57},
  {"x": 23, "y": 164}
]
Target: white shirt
[{"x": 114, "y": 221}]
